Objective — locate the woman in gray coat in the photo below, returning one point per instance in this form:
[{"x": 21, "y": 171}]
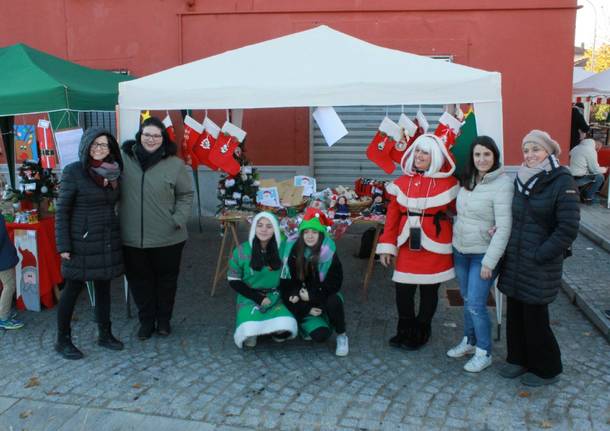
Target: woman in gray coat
[{"x": 88, "y": 234}]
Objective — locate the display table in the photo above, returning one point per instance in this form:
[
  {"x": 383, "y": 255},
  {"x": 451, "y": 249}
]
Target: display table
[{"x": 48, "y": 260}]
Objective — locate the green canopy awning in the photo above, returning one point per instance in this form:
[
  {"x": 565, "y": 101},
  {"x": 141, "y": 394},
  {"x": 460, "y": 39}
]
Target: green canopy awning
[{"x": 32, "y": 81}]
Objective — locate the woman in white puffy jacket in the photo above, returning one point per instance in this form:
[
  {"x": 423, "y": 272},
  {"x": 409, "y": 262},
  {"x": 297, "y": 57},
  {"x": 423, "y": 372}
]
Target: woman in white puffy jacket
[{"x": 480, "y": 236}]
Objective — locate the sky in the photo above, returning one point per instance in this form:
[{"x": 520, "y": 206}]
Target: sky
[{"x": 585, "y": 23}]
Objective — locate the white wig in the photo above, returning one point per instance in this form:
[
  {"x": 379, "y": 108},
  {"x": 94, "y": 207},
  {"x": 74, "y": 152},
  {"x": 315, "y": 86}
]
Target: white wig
[{"x": 430, "y": 144}]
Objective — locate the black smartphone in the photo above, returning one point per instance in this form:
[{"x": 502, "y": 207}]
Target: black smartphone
[{"x": 415, "y": 238}]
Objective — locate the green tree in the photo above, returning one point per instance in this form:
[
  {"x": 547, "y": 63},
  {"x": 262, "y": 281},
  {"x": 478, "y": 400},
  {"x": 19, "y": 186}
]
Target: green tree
[{"x": 599, "y": 63}]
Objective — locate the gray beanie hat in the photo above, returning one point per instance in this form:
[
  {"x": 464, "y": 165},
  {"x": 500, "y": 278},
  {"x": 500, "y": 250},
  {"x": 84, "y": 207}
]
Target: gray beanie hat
[{"x": 544, "y": 140}]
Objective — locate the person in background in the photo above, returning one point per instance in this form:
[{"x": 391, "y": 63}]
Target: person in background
[
  {"x": 587, "y": 173},
  {"x": 8, "y": 261},
  {"x": 480, "y": 235},
  {"x": 156, "y": 201},
  {"x": 88, "y": 235},
  {"x": 579, "y": 126},
  {"x": 545, "y": 216},
  {"x": 417, "y": 236},
  {"x": 254, "y": 273}
]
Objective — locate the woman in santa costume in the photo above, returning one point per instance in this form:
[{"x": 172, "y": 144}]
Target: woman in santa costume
[{"x": 417, "y": 236}]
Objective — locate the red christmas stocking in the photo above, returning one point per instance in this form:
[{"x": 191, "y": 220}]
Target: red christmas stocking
[
  {"x": 380, "y": 147},
  {"x": 206, "y": 141},
  {"x": 169, "y": 126},
  {"x": 192, "y": 130},
  {"x": 448, "y": 129},
  {"x": 228, "y": 140},
  {"x": 44, "y": 135},
  {"x": 407, "y": 129}
]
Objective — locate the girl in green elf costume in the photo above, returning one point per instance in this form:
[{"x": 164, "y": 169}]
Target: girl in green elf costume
[
  {"x": 311, "y": 280},
  {"x": 254, "y": 273}
]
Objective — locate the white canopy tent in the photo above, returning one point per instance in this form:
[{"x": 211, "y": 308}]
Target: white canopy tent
[
  {"x": 597, "y": 85},
  {"x": 579, "y": 73},
  {"x": 317, "y": 67}
]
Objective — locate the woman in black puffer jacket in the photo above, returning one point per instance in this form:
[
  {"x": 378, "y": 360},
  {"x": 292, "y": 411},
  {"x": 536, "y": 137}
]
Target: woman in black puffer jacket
[
  {"x": 88, "y": 235},
  {"x": 545, "y": 223}
]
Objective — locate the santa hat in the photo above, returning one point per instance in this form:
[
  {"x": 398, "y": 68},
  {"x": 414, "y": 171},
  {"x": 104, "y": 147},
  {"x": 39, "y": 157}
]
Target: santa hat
[
  {"x": 28, "y": 258},
  {"x": 274, "y": 223},
  {"x": 316, "y": 220}
]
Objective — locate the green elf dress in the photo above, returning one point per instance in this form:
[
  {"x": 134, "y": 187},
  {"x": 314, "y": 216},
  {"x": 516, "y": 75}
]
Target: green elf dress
[{"x": 252, "y": 318}]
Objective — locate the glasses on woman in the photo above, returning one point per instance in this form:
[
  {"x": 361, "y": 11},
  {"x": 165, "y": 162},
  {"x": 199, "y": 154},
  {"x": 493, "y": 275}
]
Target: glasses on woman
[
  {"x": 149, "y": 136},
  {"x": 99, "y": 146}
]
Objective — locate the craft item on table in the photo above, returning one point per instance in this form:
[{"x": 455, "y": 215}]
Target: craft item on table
[
  {"x": 290, "y": 226},
  {"x": 408, "y": 129},
  {"x": 345, "y": 191},
  {"x": 27, "y": 269},
  {"x": 222, "y": 153},
  {"x": 342, "y": 211},
  {"x": 268, "y": 196},
  {"x": 308, "y": 184},
  {"x": 206, "y": 141},
  {"x": 448, "y": 129},
  {"x": 318, "y": 204},
  {"x": 378, "y": 207},
  {"x": 169, "y": 128},
  {"x": 378, "y": 151},
  {"x": 192, "y": 130},
  {"x": 25, "y": 143},
  {"x": 35, "y": 184},
  {"x": 369, "y": 186},
  {"x": 330, "y": 124},
  {"x": 68, "y": 142},
  {"x": 44, "y": 135}
]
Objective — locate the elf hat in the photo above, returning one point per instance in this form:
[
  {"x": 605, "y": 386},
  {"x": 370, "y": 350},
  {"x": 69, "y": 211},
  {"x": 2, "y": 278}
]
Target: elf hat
[
  {"x": 28, "y": 258},
  {"x": 316, "y": 220},
  {"x": 274, "y": 223}
]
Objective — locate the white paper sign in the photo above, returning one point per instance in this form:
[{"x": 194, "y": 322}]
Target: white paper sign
[
  {"x": 308, "y": 184},
  {"x": 268, "y": 196},
  {"x": 68, "y": 142},
  {"x": 330, "y": 124}
]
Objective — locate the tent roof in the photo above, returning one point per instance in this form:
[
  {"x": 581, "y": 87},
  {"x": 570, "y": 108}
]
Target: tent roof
[
  {"x": 33, "y": 81},
  {"x": 579, "y": 73},
  {"x": 317, "y": 67},
  {"x": 596, "y": 85}
]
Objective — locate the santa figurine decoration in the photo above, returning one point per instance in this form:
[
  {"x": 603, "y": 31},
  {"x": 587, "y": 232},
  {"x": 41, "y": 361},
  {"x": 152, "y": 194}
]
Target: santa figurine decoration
[
  {"x": 222, "y": 153},
  {"x": 206, "y": 141},
  {"x": 378, "y": 151}
]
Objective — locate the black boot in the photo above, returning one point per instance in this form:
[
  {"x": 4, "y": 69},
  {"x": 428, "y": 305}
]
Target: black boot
[
  {"x": 423, "y": 333},
  {"x": 106, "y": 339},
  {"x": 164, "y": 328},
  {"x": 410, "y": 341},
  {"x": 146, "y": 330},
  {"x": 65, "y": 348},
  {"x": 401, "y": 329}
]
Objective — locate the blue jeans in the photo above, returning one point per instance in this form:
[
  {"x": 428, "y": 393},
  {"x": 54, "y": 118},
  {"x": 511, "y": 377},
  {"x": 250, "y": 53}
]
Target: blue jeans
[
  {"x": 474, "y": 290},
  {"x": 596, "y": 181}
]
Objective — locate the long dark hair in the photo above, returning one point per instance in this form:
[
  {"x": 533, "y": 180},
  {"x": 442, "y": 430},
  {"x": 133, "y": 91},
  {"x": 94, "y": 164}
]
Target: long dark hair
[
  {"x": 171, "y": 149},
  {"x": 469, "y": 172},
  {"x": 306, "y": 267},
  {"x": 270, "y": 258}
]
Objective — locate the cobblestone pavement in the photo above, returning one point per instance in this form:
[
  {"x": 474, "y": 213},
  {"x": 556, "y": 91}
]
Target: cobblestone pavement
[{"x": 197, "y": 378}]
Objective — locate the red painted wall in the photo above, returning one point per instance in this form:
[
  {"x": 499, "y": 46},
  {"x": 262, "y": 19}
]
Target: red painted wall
[{"x": 529, "y": 41}]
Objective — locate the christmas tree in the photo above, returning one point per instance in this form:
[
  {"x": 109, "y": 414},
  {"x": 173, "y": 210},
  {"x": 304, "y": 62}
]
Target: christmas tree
[
  {"x": 35, "y": 183},
  {"x": 238, "y": 193}
]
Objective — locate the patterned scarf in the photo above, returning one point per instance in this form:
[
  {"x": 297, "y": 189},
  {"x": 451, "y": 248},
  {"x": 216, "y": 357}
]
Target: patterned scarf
[
  {"x": 105, "y": 172},
  {"x": 528, "y": 177},
  {"x": 327, "y": 251}
]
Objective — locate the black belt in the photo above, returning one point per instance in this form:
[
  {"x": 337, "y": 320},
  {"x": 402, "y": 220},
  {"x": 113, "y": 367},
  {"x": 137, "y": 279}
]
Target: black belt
[{"x": 437, "y": 218}]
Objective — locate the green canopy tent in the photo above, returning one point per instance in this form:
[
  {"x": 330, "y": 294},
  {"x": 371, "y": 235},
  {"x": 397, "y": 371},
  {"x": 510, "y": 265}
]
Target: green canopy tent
[{"x": 32, "y": 81}]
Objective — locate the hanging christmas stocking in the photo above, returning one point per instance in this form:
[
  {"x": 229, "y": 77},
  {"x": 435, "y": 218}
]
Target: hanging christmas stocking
[
  {"x": 380, "y": 147},
  {"x": 448, "y": 129},
  {"x": 407, "y": 129},
  {"x": 206, "y": 141},
  {"x": 44, "y": 135},
  {"x": 169, "y": 126},
  {"x": 228, "y": 140},
  {"x": 192, "y": 130}
]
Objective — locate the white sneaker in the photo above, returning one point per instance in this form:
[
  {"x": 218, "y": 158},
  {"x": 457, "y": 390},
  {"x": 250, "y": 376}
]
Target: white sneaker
[
  {"x": 342, "y": 345},
  {"x": 478, "y": 362},
  {"x": 250, "y": 342},
  {"x": 461, "y": 349}
]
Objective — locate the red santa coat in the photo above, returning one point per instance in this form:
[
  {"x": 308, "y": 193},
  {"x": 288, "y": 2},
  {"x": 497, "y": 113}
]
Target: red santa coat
[{"x": 420, "y": 201}]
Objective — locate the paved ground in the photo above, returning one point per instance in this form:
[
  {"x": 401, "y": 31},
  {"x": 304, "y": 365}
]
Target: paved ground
[{"x": 197, "y": 379}]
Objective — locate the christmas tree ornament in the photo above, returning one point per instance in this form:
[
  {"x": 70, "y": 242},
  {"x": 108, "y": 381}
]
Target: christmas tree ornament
[
  {"x": 380, "y": 147},
  {"x": 206, "y": 141},
  {"x": 44, "y": 135},
  {"x": 169, "y": 127},
  {"x": 222, "y": 154},
  {"x": 192, "y": 130}
]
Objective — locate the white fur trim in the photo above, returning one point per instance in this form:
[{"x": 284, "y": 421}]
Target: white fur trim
[
  {"x": 410, "y": 278},
  {"x": 426, "y": 242},
  {"x": 193, "y": 124},
  {"x": 264, "y": 327},
  {"x": 386, "y": 248},
  {"x": 407, "y": 125},
  {"x": 390, "y": 128},
  {"x": 422, "y": 203},
  {"x": 441, "y": 147},
  {"x": 234, "y": 131},
  {"x": 233, "y": 278},
  {"x": 167, "y": 122},
  {"x": 422, "y": 121},
  {"x": 450, "y": 121},
  {"x": 274, "y": 222},
  {"x": 211, "y": 127}
]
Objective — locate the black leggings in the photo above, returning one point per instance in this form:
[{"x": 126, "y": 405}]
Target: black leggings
[
  {"x": 428, "y": 300},
  {"x": 69, "y": 295}
]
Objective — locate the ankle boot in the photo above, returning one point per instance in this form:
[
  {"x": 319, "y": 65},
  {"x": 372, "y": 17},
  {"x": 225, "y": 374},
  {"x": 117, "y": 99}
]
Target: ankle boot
[
  {"x": 423, "y": 333},
  {"x": 106, "y": 339},
  {"x": 401, "y": 329},
  {"x": 65, "y": 348}
]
